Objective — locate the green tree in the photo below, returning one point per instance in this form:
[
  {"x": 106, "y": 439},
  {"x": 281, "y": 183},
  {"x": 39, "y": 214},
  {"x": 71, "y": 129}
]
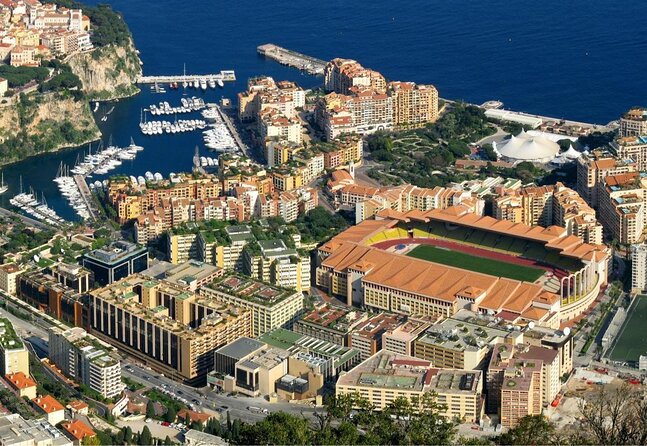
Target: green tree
[
  {"x": 168, "y": 441},
  {"x": 277, "y": 428},
  {"x": 532, "y": 429},
  {"x": 150, "y": 409},
  {"x": 170, "y": 414},
  {"x": 128, "y": 435},
  {"x": 91, "y": 441},
  {"x": 145, "y": 438}
]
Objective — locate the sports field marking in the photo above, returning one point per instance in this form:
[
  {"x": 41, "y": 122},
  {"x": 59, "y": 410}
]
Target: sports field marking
[
  {"x": 632, "y": 339},
  {"x": 477, "y": 264}
]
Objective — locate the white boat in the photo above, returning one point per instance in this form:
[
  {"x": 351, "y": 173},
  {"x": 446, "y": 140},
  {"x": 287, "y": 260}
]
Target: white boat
[
  {"x": 184, "y": 84},
  {"x": 3, "y": 186},
  {"x": 196, "y": 83},
  {"x": 203, "y": 84},
  {"x": 220, "y": 83},
  {"x": 158, "y": 176},
  {"x": 212, "y": 83},
  {"x": 96, "y": 106}
]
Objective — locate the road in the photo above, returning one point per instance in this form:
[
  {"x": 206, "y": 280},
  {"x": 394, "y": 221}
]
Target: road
[
  {"x": 212, "y": 400},
  {"x": 36, "y": 334},
  {"x": 26, "y": 220}
]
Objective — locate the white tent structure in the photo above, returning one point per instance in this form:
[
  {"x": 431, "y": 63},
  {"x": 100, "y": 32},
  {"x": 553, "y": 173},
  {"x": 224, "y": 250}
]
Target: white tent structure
[
  {"x": 525, "y": 147},
  {"x": 571, "y": 153}
]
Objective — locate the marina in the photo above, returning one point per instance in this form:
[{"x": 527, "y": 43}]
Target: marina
[
  {"x": 27, "y": 202},
  {"x": 103, "y": 161},
  {"x": 178, "y": 126},
  {"x": 187, "y": 106},
  {"x": 310, "y": 65},
  {"x": 219, "y": 137}
]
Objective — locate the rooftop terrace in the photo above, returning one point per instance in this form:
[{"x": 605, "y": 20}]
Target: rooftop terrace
[{"x": 9, "y": 339}]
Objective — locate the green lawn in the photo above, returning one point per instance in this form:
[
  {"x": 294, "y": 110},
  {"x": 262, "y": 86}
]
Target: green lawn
[
  {"x": 633, "y": 339},
  {"x": 477, "y": 264}
]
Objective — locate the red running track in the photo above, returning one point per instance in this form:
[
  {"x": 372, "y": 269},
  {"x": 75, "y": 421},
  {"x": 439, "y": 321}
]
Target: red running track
[{"x": 467, "y": 249}]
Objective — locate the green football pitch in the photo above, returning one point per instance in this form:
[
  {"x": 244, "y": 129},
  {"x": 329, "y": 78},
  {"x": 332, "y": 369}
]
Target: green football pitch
[
  {"x": 632, "y": 341},
  {"x": 477, "y": 264}
]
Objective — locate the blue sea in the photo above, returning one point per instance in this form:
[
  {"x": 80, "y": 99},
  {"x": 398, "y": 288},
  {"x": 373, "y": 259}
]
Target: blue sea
[{"x": 572, "y": 59}]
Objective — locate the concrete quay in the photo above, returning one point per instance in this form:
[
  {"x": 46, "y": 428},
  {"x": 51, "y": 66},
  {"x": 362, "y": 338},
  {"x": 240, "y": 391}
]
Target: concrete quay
[
  {"x": 310, "y": 65},
  {"x": 87, "y": 196}
]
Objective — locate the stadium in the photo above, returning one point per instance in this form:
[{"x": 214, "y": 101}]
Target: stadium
[{"x": 462, "y": 260}]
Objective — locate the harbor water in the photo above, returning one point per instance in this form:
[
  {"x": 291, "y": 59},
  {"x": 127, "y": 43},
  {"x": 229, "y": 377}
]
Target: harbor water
[{"x": 577, "y": 60}]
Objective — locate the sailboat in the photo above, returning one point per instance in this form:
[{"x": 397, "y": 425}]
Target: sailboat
[{"x": 3, "y": 186}]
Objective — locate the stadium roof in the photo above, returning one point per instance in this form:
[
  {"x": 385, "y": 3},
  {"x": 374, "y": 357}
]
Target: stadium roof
[
  {"x": 434, "y": 280},
  {"x": 554, "y": 237}
]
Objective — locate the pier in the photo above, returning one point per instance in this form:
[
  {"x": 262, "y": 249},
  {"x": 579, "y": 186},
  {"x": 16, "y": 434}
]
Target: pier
[
  {"x": 234, "y": 132},
  {"x": 224, "y": 76},
  {"x": 87, "y": 196},
  {"x": 310, "y": 65}
]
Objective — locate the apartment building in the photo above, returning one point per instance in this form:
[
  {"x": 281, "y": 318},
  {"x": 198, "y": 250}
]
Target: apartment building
[
  {"x": 276, "y": 127},
  {"x": 413, "y": 105},
  {"x": 16, "y": 431},
  {"x": 86, "y": 360},
  {"x": 182, "y": 245},
  {"x": 330, "y": 323},
  {"x": 270, "y": 306},
  {"x": 639, "y": 267},
  {"x": 8, "y": 277},
  {"x": 22, "y": 384},
  {"x": 116, "y": 261},
  {"x": 14, "y": 357},
  {"x": 622, "y": 207},
  {"x": 366, "y": 337},
  {"x": 506, "y": 356},
  {"x": 386, "y": 376},
  {"x": 341, "y": 75},
  {"x": 549, "y": 205},
  {"x": 225, "y": 250},
  {"x": 632, "y": 147},
  {"x": 521, "y": 391},
  {"x": 271, "y": 261},
  {"x": 190, "y": 275},
  {"x": 401, "y": 339},
  {"x": 594, "y": 167},
  {"x": 46, "y": 293},
  {"x": 461, "y": 344},
  {"x": 633, "y": 123},
  {"x": 73, "y": 276},
  {"x": 167, "y": 327},
  {"x": 50, "y": 408}
]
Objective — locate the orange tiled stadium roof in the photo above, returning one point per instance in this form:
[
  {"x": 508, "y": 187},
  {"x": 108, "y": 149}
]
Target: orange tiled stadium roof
[{"x": 432, "y": 280}]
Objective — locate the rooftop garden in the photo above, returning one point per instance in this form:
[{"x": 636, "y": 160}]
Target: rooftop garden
[{"x": 8, "y": 336}]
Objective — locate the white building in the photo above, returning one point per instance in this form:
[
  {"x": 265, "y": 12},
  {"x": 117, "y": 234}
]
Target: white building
[
  {"x": 526, "y": 147},
  {"x": 82, "y": 357},
  {"x": 639, "y": 267},
  {"x": 16, "y": 431}
]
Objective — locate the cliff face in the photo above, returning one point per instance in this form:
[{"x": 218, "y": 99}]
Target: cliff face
[
  {"x": 44, "y": 123},
  {"x": 108, "y": 72}
]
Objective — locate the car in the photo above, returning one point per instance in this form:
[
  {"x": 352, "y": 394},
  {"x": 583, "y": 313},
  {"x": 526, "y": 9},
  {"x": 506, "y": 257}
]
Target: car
[
  {"x": 225, "y": 407},
  {"x": 179, "y": 392},
  {"x": 148, "y": 420},
  {"x": 164, "y": 386},
  {"x": 166, "y": 423}
]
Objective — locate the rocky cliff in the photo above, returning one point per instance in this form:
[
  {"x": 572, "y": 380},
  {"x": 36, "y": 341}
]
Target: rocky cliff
[
  {"x": 108, "y": 72},
  {"x": 43, "y": 123}
]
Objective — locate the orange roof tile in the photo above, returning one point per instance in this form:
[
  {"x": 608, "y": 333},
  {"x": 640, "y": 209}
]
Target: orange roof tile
[
  {"x": 48, "y": 404},
  {"x": 20, "y": 381},
  {"x": 78, "y": 429}
]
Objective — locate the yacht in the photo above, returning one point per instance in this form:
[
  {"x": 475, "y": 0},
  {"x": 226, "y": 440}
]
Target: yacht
[
  {"x": 203, "y": 84},
  {"x": 220, "y": 83},
  {"x": 3, "y": 186},
  {"x": 212, "y": 83},
  {"x": 196, "y": 83}
]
